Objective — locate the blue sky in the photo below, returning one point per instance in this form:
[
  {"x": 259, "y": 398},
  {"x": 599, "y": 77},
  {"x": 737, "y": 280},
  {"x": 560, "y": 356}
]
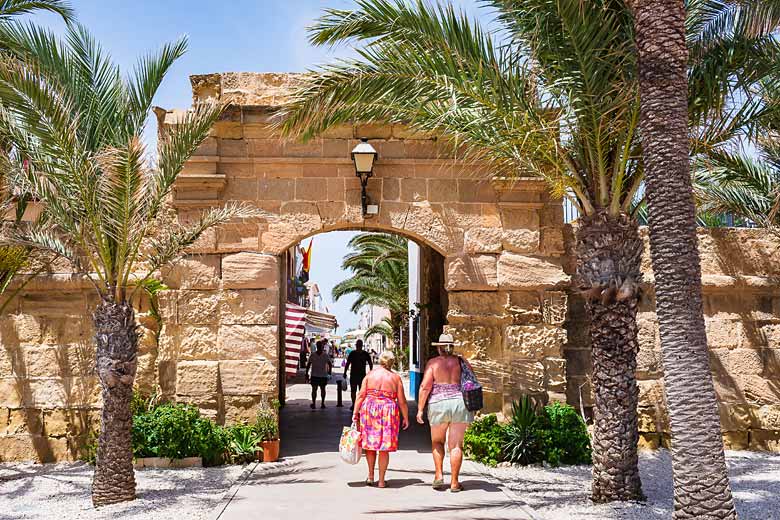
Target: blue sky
[{"x": 228, "y": 35}]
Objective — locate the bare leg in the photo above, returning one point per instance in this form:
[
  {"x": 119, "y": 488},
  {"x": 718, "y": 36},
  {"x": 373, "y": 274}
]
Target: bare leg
[
  {"x": 353, "y": 392},
  {"x": 384, "y": 461},
  {"x": 438, "y": 438},
  {"x": 322, "y": 394},
  {"x": 313, "y": 395},
  {"x": 455, "y": 444},
  {"x": 371, "y": 461}
]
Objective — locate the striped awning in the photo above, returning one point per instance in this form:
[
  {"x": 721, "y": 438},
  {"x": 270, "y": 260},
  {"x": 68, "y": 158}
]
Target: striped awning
[
  {"x": 294, "y": 329},
  {"x": 320, "y": 322}
]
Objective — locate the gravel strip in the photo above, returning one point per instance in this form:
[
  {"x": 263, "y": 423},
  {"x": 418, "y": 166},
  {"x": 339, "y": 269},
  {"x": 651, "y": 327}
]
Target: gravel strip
[
  {"x": 62, "y": 491},
  {"x": 562, "y": 493}
]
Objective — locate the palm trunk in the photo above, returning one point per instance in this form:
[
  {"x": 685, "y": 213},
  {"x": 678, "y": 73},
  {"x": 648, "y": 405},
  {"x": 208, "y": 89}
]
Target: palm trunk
[
  {"x": 701, "y": 484},
  {"x": 117, "y": 342},
  {"x": 609, "y": 252}
]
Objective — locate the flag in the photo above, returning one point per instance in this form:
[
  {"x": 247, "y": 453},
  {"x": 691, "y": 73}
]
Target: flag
[
  {"x": 294, "y": 328},
  {"x": 307, "y": 257}
]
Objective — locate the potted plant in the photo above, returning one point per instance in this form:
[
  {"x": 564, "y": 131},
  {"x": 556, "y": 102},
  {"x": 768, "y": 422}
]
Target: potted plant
[
  {"x": 244, "y": 444},
  {"x": 267, "y": 427}
]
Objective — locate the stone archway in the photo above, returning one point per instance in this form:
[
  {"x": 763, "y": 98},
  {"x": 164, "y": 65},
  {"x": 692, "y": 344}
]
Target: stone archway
[{"x": 502, "y": 245}]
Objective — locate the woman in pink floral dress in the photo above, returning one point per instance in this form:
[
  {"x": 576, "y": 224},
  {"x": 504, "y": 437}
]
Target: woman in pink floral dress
[{"x": 377, "y": 414}]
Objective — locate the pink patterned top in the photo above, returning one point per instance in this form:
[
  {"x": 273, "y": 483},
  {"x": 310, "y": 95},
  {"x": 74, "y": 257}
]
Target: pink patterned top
[{"x": 444, "y": 391}]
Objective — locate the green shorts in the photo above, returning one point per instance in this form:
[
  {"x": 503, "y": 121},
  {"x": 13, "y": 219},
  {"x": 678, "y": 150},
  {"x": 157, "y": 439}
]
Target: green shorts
[{"x": 449, "y": 411}]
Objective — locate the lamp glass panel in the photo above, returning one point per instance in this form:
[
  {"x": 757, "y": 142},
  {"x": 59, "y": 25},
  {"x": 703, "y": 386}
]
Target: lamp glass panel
[{"x": 364, "y": 162}]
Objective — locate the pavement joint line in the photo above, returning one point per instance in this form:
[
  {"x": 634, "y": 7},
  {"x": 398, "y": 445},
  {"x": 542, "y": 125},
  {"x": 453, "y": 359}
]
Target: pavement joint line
[
  {"x": 508, "y": 492},
  {"x": 217, "y": 510}
]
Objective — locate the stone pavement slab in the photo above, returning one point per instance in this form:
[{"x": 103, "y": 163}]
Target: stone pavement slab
[{"x": 311, "y": 481}]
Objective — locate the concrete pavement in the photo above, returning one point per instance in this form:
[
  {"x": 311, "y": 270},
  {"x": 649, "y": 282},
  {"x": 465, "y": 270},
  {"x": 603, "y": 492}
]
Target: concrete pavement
[{"x": 311, "y": 481}]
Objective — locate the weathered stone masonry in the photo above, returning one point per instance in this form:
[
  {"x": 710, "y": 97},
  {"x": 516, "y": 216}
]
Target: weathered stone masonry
[{"x": 506, "y": 275}]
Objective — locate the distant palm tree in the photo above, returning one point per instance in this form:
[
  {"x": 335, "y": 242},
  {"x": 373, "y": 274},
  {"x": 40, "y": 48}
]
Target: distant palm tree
[
  {"x": 380, "y": 276},
  {"x": 72, "y": 124},
  {"x": 553, "y": 94}
]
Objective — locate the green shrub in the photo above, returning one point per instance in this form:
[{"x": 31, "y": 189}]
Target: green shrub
[
  {"x": 563, "y": 435},
  {"x": 521, "y": 444},
  {"x": 177, "y": 431},
  {"x": 244, "y": 442},
  {"x": 484, "y": 440}
]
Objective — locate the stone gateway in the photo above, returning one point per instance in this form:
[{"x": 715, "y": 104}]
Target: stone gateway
[{"x": 498, "y": 263}]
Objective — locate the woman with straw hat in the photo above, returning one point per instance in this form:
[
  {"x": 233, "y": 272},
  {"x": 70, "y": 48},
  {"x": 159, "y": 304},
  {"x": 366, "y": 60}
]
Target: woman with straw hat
[{"x": 447, "y": 413}]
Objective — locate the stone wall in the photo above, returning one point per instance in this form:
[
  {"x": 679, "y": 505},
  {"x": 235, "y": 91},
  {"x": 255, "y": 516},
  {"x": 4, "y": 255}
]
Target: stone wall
[
  {"x": 740, "y": 275},
  {"x": 49, "y": 393}
]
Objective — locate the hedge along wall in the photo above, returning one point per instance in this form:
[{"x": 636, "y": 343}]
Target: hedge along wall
[{"x": 741, "y": 287}]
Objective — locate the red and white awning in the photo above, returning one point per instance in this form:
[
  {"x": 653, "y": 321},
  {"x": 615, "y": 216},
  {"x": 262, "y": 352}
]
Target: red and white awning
[{"x": 294, "y": 329}]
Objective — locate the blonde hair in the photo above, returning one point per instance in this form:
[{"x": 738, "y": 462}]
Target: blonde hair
[{"x": 387, "y": 359}]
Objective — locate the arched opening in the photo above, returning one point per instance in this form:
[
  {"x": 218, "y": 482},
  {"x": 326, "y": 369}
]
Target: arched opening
[{"x": 309, "y": 312}]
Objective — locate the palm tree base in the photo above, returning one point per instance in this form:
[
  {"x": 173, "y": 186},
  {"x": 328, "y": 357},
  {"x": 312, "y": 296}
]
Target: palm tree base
[{"x": 117, "y": 341}]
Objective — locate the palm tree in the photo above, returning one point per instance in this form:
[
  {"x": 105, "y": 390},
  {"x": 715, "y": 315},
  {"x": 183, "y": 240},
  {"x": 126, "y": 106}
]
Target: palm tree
[
  {"x": 15, "y": 259},
  {"x": 557, "y": 99},
  {"x": 74, "y": 124},
  {"x": 700, "y": 478},
  {"x": 380, "y": 276}
]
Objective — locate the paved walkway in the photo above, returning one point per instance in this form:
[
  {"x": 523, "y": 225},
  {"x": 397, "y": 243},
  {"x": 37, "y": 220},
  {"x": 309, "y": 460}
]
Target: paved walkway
[{"x": 311, "y": 483}]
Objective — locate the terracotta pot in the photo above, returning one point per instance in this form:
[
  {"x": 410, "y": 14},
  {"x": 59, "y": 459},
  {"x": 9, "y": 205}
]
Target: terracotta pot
[{"x": 271, "y": 451}]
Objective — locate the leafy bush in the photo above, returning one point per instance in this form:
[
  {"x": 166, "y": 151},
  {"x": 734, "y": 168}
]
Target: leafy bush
[
  {"x": 521, "y": 444},
  {"x": 267, "y": 424},
  {"x": 484, "y": 440},
  {"x": 556, "y": 434},
  {"x": 244, "y": 442},
  {"x": 563, "y": 435},
  {"x": 177, "y": 431}
]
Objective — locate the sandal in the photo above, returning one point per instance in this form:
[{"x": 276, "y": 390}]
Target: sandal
[
  {"x": 369, "y": 482},
  {"x": 456, "y": 489},
  {"x": 438, "y": 484}
]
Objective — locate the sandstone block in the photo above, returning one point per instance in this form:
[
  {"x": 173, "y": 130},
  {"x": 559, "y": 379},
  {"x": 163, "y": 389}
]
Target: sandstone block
[
  {"x": 471, "y": 273},
  {"x": 523, "y": 377},
  {"x": 20, "y": 328},
  {"x": 524, "y": 272},
  {"x": 373, "y": 131},
  {"x": 241, "y": 409},
  {"x": 736, "y": 417},
  {"x": 443, "y": 190},
  {"x": 525, "y": 307},
  {"x": 250, "y": 271},
  {"x": 247, "y": 377},
  {"x": 248, "y": 342},
  {"x": 473, "y": 306},
  {"x": 649, "y": 441},
  {"x": 197, "y": 378},
  {"x": 736, "y": 441},
  {"x": 520, "y": 240},
  {"x": 195, "y": 342},
  {"x": 23, "y": 420},
  {"x": 249, "y": 306},
  {"x": 483, "y": 240},
  {"x": 58, "y": 423},
  {"x": 477, "y": 342},
  {"x": 198, "y": 307},
  {"x": 722, "y": 333},
  {"x": 45, "y": 361},
  {"x": 425, "y": 221},
  {"x": 551, "y": 241},
  {"x": 554, "y": 307},
  {"x": 651, "y": 393},
  {"x": 555, "y": 374},
  {"x": 767, "y": 417},
  {"x": 763, "y": 440},
  {"x": 534, "y": 341}
]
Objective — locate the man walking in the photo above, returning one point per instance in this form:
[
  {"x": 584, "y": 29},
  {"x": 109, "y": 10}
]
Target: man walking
[
  {"x": 321, "y": 369},
  {"x": 357, "y": 359}
]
